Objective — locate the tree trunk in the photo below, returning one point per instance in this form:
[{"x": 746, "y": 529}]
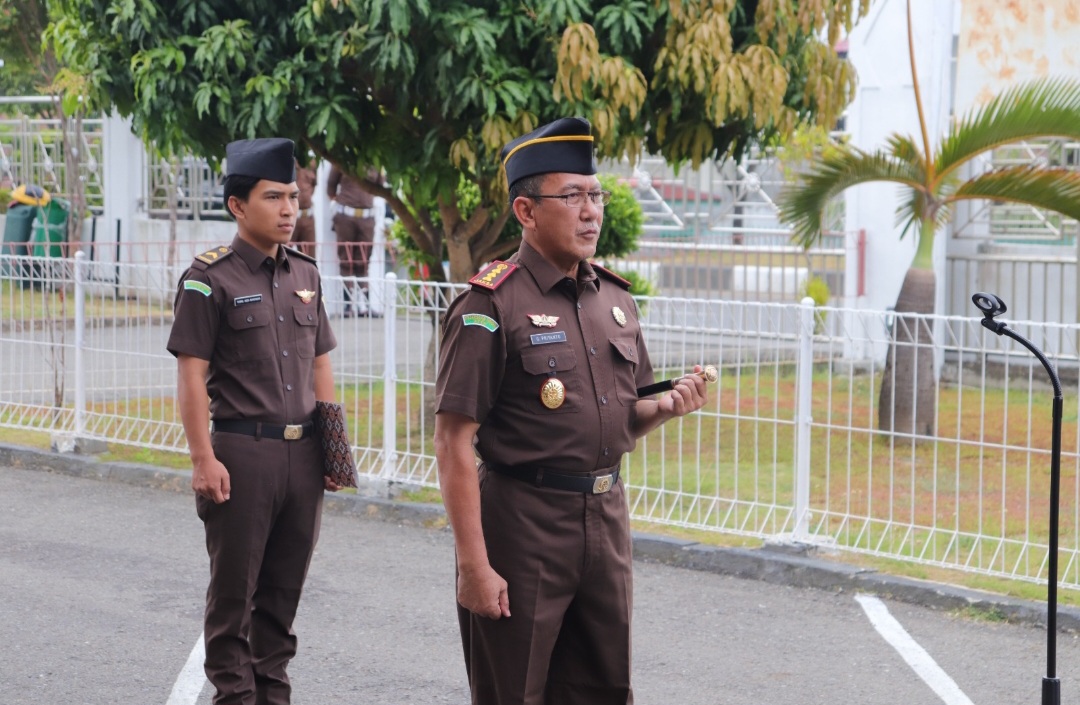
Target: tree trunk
[{"x": 908, "y": 398}]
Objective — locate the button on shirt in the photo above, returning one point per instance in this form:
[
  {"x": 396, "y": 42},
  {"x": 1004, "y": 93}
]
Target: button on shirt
[
  {"x": 495, "y": 377},
  {"x": 256, "y": 331}
]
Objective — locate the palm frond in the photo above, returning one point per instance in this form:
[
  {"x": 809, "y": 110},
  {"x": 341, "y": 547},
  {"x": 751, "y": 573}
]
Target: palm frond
[
  {"x": 803, "y": 203},
  {"x": 1053, "y": 189},
  {"x": 903, "y": 147},
  {"x": 1043, "y": 108}
]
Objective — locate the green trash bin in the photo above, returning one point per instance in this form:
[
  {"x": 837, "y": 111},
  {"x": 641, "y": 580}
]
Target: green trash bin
[
  {"x": 17, "y": 231},
  {"x": 50, "y": 235}
]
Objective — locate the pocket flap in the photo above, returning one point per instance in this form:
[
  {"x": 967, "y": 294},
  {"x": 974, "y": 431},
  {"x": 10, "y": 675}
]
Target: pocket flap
[
  {"x": 244, "y": 318},
  {"x": 545, "y": 359},
  {"x": 306, "y": 315},
  {"x": 625, "y": 348}
]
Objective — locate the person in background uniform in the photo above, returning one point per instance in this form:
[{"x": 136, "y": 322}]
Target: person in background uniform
[
  {"x": 540, "y": 364},
  {"x": 251, "y": 335},
  {"x": 304, "y": 233},
  {"x": 354, "y": 225}
]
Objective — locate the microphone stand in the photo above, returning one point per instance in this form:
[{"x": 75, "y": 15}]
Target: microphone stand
[{"x": 992, "y": 306}]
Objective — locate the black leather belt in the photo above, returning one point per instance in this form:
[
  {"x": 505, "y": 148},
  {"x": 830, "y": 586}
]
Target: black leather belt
[
  {"x": 598, "y": 484},
  {"x": 291, "y": 432}
]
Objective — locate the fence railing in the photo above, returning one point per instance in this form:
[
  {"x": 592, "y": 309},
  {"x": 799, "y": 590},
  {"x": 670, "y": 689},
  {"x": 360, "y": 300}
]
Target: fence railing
[{"x": 788, "y": 447}]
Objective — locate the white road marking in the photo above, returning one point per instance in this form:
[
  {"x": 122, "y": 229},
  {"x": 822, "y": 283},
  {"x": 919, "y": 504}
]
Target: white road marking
[
  {"x": 920, "y": 661},
  {"x": 190, "y": 682}
]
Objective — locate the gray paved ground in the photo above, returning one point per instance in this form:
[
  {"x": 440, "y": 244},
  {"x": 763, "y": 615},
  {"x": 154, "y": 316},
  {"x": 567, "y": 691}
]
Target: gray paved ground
[{"x": 102, "y": 585}]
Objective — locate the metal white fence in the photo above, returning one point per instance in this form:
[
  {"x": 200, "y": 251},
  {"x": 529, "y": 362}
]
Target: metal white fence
[{"x": 788, "y": 446}]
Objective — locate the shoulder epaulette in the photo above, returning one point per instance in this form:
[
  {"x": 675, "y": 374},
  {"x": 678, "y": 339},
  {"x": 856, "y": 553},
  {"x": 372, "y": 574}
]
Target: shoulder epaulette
[
  {"x": 604, "y": 271},
  {"x": 211, "y": 257},
  {"x": 492, "y": 276},
  {"x": 293, "y": 252}
]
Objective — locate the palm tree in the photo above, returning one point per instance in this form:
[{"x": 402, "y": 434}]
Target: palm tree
[{"x": 932, "y": 185}]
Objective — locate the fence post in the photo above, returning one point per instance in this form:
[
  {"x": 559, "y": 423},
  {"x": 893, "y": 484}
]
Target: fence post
[
  {"x": 389, "y": 452},
  {"x": 80, "y": 330},
  {"x": 804, "y": 380}
]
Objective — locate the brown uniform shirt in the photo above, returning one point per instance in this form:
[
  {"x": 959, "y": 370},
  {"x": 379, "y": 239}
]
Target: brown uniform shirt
[
  {"x": 242, "y": 312},
  {"x": 494, "y": 377},
  {"x": 345, "y": 190},
  {"x": 305, "y": 181}
]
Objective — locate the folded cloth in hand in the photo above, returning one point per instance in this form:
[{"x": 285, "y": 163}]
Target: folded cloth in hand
[{"x": 330, "y": 426}]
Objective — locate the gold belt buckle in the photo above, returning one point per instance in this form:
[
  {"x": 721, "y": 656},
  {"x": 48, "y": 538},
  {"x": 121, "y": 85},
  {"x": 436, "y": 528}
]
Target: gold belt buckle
[
  {"x": 294, "y": 432},
  {"x": 601, "y": 484}
]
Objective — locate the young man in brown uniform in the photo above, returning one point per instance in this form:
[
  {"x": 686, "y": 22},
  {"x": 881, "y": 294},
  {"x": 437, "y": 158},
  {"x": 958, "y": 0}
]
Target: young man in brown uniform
[
  {"x": 354, "y": 226},
  {"x": 304, "y": 234},
  {"x": 540, "y": 362},
  {"x": 250, "y": 333}
]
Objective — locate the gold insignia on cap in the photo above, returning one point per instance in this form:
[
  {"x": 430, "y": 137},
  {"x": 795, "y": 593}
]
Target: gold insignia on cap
[
  {"x": 542, "y": 320},
  {"x": 553, "y": 393},
  {"x": 620, "y": 317},
  {"x": 305, "y": 295}
]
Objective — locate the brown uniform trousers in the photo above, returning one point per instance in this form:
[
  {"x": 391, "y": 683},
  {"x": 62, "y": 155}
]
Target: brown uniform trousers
[
  {"x": 566, "y": 557},
  {"x": 260, "y": 544}
]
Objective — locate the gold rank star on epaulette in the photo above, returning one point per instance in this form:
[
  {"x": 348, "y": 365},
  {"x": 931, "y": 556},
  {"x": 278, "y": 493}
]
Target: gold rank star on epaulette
[
  {"x": 493, "y": 275},
  {"x": 213, "y": 256}
]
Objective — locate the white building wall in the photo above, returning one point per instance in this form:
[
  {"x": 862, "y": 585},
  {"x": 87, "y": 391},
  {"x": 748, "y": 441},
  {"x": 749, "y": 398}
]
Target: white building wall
[{"x": 885, "y": 104}]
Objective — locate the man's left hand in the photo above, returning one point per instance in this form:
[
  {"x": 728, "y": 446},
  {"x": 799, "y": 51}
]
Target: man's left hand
[
  {"x": 688, "y": 395},
  {"x": 330, "y": 485}
]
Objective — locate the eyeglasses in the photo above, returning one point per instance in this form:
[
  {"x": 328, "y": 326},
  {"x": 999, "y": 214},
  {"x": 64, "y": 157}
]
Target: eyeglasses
[{"x": 577, "y": 198}]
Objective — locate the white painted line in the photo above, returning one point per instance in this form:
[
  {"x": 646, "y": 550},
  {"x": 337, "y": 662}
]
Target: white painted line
[
  {"x": 192, "y": 678},
  {"x": 920, "y": 661}
]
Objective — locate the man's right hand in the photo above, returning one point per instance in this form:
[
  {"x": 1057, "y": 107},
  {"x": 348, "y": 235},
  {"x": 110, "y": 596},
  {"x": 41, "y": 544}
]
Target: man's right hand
[
  {"x": 482, "y": 591},
  {"x": 210, "y": 479}
]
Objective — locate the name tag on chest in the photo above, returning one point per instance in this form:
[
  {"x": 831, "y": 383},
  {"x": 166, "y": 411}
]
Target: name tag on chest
[
  {"x": 545, "y": 338},
  {"x": 249, "y": 299}
]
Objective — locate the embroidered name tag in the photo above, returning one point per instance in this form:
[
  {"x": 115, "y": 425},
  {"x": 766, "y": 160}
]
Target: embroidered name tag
[
  {"x": 479, "y": 319},
  {"x": 192, "y": 285},
  {"x": 249, "y": 299},
  {"x": 545, "y": 338}
]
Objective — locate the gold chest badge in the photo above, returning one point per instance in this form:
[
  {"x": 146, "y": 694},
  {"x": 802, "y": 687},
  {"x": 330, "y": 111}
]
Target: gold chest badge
[
  {"x": 305, "y": 295},
  {"x": 553, "y": 393},
  {"x": 619, "y": 316},
  {"x": 542, "y": 320}
]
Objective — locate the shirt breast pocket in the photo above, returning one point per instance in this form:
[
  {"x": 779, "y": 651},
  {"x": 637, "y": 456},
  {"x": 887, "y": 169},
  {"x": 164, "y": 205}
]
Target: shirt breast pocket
[
  {"x": 307, "y": 323},
  {"x": 624, "y": 362},
  {"x": 549, "y": 363},
  {"x": 249, "y": 329}
]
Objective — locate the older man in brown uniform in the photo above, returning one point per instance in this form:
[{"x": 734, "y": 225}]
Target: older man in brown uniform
[
  {"x": 250, "y": 333},
  {"x": 540, "y": 363},
  {"x": 354, "y": 225}
]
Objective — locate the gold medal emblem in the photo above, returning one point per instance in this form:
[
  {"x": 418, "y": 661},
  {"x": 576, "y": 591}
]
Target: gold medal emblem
[
  {"x": 620, "y": 317},
  {"x": 305, "y": 295},
  {"x": 553, "y": 393},
  {"x": 542, "y": 320}
]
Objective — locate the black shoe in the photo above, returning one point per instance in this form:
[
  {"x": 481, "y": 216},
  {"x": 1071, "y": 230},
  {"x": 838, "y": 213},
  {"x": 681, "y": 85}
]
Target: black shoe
[{"x": 349, "y": 313}]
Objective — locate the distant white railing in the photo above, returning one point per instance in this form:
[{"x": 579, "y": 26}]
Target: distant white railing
[{"x": 788, "y": 447}]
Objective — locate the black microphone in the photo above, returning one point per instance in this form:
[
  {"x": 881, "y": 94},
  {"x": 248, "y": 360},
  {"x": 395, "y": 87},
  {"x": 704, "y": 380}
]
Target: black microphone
[{"x": 709, "y": 374}]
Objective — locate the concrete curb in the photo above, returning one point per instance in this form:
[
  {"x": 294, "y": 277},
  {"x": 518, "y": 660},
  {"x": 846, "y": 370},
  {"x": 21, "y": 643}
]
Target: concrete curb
[{"x": 773, "y": 564}]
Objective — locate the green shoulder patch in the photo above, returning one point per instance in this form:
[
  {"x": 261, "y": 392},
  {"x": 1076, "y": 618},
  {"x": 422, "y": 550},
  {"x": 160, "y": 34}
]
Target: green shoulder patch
[
  {"x": 214, "y": 256},
  {"x": 479, "y": 319},
  {"x": 192, "y": 285}
]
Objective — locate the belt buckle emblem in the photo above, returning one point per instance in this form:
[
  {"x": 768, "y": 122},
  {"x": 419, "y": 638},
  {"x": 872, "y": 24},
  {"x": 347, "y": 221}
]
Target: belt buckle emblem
[
  {"x": 294, "y": 432},
  {"x": 601, "y": 484}
]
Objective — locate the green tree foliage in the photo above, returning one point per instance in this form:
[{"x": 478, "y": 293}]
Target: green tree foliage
[
  {"x": 933, "y": 182},
  {"x": 430, "y": 90},
  {"x": 28, "y": 70}
]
